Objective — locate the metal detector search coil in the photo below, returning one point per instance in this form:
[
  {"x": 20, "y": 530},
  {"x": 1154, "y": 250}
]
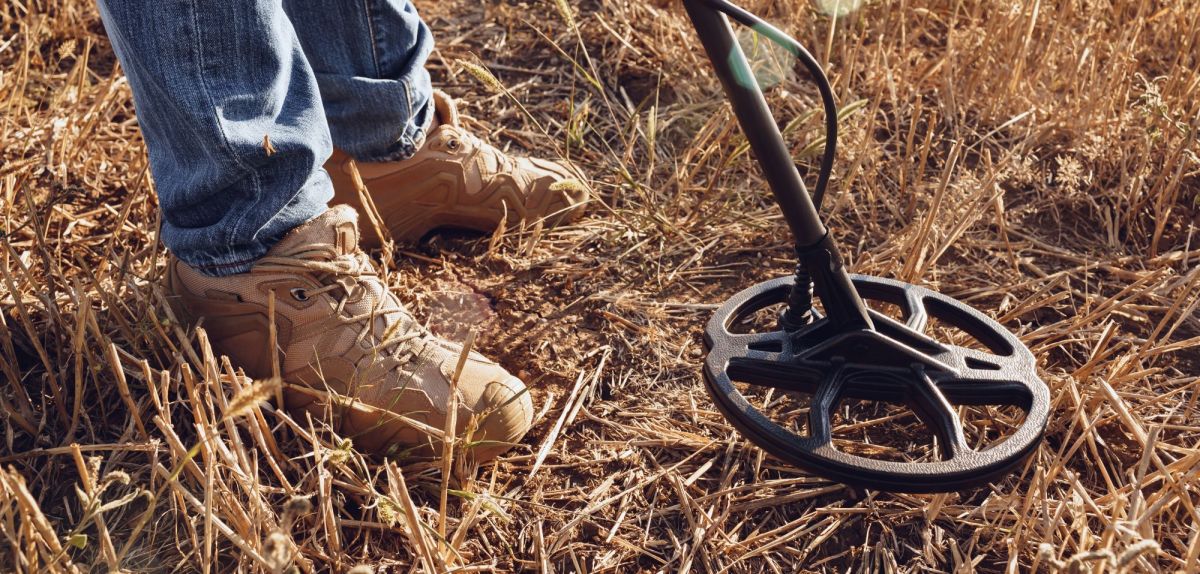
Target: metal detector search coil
[{"x": 851, "y": 351}]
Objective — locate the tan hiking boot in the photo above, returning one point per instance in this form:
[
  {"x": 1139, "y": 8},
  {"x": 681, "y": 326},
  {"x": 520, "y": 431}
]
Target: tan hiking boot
[
  {"x": 348, "y": 347},
  {"x": 458, "y": 181}
]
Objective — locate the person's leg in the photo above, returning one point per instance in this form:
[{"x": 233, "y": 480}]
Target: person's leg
[
  {"x": 233, "y": 123},
  {"x": 422, "y": 168},
  {"x": 369, "y": 58},
  {"x": 237, "y": 135}
]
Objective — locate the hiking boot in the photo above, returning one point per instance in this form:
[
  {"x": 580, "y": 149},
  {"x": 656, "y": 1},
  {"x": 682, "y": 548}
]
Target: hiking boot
[
  {"x": 347, "y": 347},
  {"x": 458, "y": 181}
]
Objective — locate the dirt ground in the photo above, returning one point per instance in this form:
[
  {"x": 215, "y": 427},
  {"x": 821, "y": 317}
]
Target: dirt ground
[{"x": 1036, "y": 159}]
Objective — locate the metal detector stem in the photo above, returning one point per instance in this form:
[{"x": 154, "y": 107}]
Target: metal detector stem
[
  {"x": 814, "y": 246},
  {"x": 850, "y": 352}
]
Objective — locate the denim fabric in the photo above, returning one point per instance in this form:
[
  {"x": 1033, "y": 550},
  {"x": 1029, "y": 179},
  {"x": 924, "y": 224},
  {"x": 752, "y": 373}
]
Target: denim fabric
[
  {"x": 229, "y": 96},
  {"x": 369, "y": 58}
]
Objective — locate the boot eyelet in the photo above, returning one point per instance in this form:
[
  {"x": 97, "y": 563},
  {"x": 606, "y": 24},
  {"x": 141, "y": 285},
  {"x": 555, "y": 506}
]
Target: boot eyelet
[
  {"x": 452, "y": 145},
  {"x": 299, "y": 294}
]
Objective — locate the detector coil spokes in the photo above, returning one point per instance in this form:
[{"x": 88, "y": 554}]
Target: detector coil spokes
[{"x": 898, "y": 363}]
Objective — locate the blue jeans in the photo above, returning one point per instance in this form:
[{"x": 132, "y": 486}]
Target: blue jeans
[{"x": 241, "y": 101}]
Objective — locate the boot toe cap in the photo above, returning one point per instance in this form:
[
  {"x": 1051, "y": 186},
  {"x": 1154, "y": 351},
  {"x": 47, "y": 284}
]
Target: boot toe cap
[
  {"x": 563, "y": 192},
  {"x": 504, "y": 414}
]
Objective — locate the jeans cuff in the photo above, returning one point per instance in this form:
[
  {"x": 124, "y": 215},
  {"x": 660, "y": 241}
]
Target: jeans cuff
[
  {"x": 403, "y": 149},
  {"x": 238, "y": 256},
  {"x": 224, "y": 269},
  {"x": 406, "y": 146}
]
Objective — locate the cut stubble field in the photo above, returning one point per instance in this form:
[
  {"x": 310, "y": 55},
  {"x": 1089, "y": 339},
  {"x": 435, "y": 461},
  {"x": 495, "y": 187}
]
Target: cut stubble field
[{"x": 1037, "y": 159}]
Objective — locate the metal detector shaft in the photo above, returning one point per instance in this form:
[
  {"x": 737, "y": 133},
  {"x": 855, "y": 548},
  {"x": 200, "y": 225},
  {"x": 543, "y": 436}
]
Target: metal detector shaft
[
  {"x": 814, "y": 246},
  {"x": 846, "y": 353}
]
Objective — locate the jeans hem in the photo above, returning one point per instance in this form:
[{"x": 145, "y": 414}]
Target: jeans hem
[
  {"x": 224, "y": 269},
  {"x": 412, "y": 139},
  {"x": 402, "y": 150}
]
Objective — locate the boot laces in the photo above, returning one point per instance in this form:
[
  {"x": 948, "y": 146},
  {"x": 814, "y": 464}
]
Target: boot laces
[{"x": 347, "y": 278}]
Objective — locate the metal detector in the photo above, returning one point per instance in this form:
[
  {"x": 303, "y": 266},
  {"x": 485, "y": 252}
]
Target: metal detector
[{"x": 849, "y": 351}]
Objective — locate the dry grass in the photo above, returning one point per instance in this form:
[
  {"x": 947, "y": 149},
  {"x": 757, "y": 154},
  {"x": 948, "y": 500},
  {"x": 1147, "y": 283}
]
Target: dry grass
[{"x": 1069, "y": 214}]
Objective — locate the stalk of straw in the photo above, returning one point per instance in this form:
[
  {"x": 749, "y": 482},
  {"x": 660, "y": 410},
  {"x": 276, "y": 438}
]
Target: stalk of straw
[{"x": 448, "y": 441}]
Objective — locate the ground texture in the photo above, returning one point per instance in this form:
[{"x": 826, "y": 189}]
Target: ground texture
[{"x": 1037, "y": 159}]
